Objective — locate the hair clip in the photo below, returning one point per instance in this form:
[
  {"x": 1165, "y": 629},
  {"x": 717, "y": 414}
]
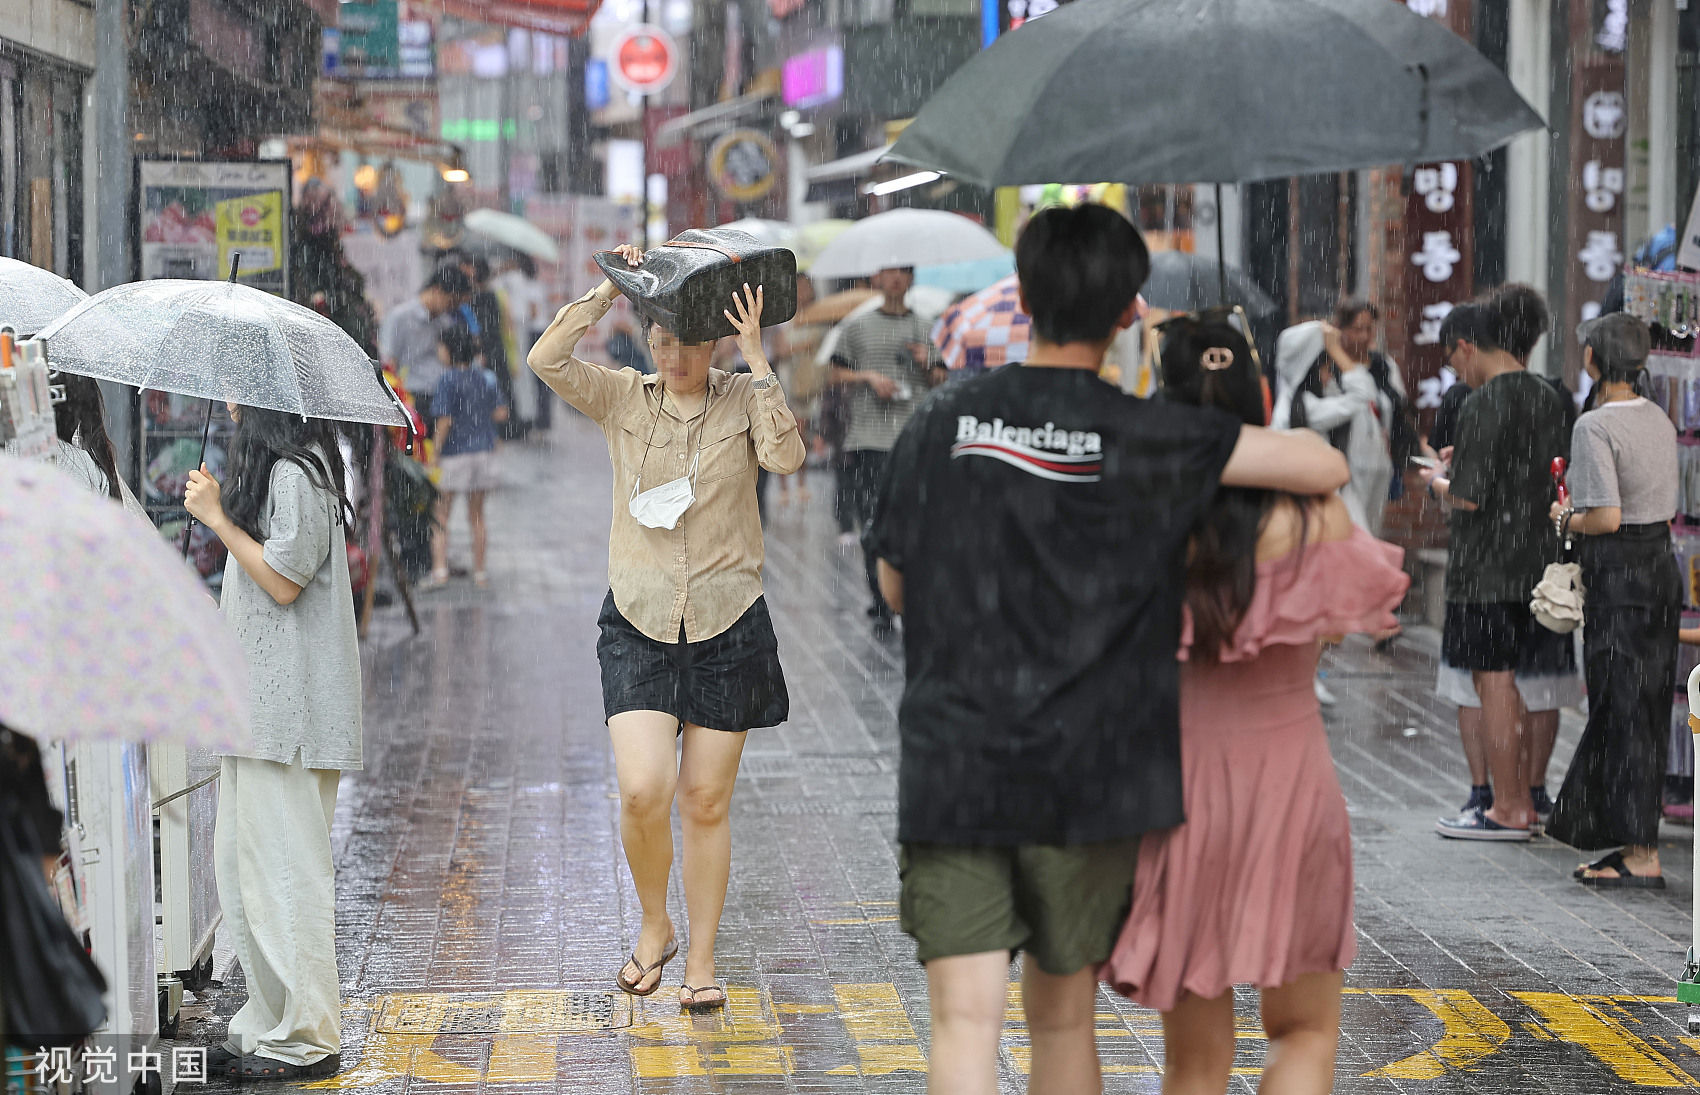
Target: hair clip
[{"x": 1217, "y": 357}]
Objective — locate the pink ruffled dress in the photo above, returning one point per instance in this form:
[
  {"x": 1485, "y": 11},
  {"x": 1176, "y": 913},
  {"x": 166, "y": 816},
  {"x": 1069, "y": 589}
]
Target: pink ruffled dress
[{"x": 1256, "y": 886}]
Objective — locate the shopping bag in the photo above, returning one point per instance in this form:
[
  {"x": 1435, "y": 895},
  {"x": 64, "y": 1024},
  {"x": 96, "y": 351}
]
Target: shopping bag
[{"x": 1557, "y": 599}]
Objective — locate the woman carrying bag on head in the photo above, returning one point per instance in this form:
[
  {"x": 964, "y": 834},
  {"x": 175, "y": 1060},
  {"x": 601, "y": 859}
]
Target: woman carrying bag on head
[
  {"x": 687, "y": 649},
  {"x": 282, "y": 511},
  {"x": 1623, "y": 488}
]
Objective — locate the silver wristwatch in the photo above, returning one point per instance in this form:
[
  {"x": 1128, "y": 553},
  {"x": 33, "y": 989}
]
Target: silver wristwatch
[{"x": 767, "y": 382}]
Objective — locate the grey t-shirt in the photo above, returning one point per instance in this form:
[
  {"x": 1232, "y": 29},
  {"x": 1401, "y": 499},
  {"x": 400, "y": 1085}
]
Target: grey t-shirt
[
  {"x": 408, "y": 336},
  {"x": 304, "y": 657},
  {"x": 1624, "y": 454},
  {"x": 879, "y": 342}
]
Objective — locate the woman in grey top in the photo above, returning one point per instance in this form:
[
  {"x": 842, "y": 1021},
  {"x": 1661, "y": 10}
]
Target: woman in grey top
[
  {"x": 1623, "y": 484},
  {"x": 282, "y": 515}
]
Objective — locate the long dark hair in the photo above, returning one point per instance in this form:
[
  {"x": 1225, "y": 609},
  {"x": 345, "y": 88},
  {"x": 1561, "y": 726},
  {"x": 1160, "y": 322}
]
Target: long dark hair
[
  {"x": 81, "y": 420},
  {"x": 1222, "y": 567},
  {"x": 263, "y": 437}
]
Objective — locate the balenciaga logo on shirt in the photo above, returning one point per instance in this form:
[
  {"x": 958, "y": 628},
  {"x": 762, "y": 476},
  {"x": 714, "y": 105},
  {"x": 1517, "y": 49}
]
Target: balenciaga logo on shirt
[{"x": 1066, "y": 456}]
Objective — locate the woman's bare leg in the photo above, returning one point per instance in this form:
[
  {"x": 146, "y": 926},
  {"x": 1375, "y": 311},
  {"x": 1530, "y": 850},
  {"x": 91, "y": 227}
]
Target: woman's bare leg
[
  {"x": 708, "y": 771},
  {"x": 1302, "y": 1020},
  {"x": 1198, "y": 1045},
  {"x": 646, "y": 766}
]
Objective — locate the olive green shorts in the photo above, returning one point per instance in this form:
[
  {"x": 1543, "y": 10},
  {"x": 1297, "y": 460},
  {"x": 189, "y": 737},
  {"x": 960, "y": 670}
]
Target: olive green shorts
[{"x": 1062, "y": 904}]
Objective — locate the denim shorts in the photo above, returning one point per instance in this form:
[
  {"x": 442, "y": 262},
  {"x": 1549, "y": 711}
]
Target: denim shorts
[{"x": 731, "y": 681}]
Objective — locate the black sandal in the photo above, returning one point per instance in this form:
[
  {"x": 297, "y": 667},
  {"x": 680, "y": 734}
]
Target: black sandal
[
  {"x": 631, "y": 987},
  {"x": 254, "y": 1067},
  {"x": 695, "y": 1005},
  {"x": 1624, "y": 880}
]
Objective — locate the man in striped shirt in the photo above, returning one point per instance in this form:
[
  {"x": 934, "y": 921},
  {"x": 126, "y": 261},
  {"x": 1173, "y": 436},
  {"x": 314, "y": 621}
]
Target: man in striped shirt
[{"x": 886, "y": 360}]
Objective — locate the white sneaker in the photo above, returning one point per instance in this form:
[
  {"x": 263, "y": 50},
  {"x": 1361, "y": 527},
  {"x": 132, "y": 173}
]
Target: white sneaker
[{"x": 1323, "y": 695}]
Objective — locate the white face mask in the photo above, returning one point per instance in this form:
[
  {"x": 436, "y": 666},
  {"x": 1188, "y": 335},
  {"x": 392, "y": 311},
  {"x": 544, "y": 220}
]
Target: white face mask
[{"x": 661, "y": 507}]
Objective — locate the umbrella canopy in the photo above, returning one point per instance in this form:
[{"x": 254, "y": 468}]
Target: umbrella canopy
[
  {"x": 985, "y": 330},
  {"x": 515, "y": 232},
  {"x": 31, "y": 298},
  {"x": 106, "y": 634},
  {"x": 222, "y": 341},
  {"x": 905, "y": 237},
  {"x": 765, "y": 232},
  {"x": 1183, "y": 282},
  {"x": 808, "y": 240},
  {"x": 1152, "y": 91},
  {"x": 834, "y": 308},
  {"x": 967, "y": 277}
]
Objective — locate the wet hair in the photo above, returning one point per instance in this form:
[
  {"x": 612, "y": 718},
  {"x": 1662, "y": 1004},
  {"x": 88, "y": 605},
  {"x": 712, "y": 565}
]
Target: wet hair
[
  {"x": 451, "y": 279},
  {"x": 1620, "y": 343},
  {"x": 1222, "y": 565},
  {"x": 1347, "y": 311},
  {"x": 1511, "y": 318},
  {"x": 262, "y": 438},
  {"x": 460, "y": 344},
  {"x": 1080, "y": 269},
  {"x": 81, "y": 420},
  {"x": 527, "y": 265}
]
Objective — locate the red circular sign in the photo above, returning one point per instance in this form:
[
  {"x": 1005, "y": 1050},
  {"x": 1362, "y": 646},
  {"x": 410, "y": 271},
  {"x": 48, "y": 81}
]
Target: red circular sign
[
  {"x": 251, "y": 215},
  {"x": 645, "y": 59}
]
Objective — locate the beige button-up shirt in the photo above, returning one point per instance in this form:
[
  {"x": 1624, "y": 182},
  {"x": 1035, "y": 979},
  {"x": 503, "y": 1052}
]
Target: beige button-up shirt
[{"x": 704, "y": 573}]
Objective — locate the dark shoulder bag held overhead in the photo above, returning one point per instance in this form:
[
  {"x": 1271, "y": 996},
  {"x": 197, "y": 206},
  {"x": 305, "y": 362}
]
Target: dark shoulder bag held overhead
[{"x": 686, "y": 285}]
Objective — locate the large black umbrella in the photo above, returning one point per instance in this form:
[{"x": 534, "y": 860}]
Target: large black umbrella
[
  {"x": 1179, "y": 91},
  {"x": 1184, "y": 282}
]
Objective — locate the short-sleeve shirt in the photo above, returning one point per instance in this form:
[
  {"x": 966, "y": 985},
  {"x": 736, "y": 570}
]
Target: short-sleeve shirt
[
  {"x": 469, "y": 397},
  {"x": 1040, "y": 518},
  {"x": 303, "y": 658},
  {"x": 408, "y": 336},
  {"x": 1445, "y": 429},
  {"x": 879, "y": 342},
  {"x": 1624, "y": 454},
  {"x": 1509, "y": 431}
]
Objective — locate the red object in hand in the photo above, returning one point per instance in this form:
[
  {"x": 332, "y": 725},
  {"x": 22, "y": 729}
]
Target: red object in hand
[{"x": 1559, "y": 467}]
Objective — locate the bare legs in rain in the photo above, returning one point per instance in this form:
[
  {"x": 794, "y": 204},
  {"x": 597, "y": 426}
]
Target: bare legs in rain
[
  {"x": 655, "y": 764},
  {"x": 1539, "y": 735},
  {"x": 440, "y": 534},
  {"x": 1301, "y": 1020},
  {"x": 1502, "y": 715},
  {"x": 968, "y": 996}
]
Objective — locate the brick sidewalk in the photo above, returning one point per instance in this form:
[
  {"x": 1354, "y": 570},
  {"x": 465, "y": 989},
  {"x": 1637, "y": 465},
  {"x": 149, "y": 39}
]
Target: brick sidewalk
[{"x": 484, "y": 904}]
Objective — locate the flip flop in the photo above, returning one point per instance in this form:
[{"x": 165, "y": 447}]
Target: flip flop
[
  {"x": 696, "y": 1005},
  {"x": 250, "y": 1067},
  {"x": 1623, "y": 880},
  {"x": 631, "y": 987}
]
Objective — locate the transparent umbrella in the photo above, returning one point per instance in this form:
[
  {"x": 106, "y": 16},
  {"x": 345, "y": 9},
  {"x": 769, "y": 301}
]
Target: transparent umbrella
[
  {"x": 515, "y": 232},
  {"x": 905, "y": 237},
  {"x": 31, "y": 298}
]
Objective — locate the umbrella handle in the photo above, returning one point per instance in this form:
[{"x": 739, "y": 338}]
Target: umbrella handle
[
  {"x": 412, "y": 434},
  {"x": 206, "y": 430}
]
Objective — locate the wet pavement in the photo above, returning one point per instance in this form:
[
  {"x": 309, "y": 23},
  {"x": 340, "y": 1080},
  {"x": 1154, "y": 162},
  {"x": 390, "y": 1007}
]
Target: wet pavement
[{"x": 483, "y": 902}]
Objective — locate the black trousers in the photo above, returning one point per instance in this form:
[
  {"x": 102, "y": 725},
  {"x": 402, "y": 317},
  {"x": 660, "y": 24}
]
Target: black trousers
[
  {"x": 864, "y": 474},
  {"x": 1613, "y": 792}
]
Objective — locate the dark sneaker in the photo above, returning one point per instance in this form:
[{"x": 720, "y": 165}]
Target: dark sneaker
[
  {"x": 1476, "y": 825},
  {"x": 1481, "y": 798},
  {"x": 1543, "y": 809}
]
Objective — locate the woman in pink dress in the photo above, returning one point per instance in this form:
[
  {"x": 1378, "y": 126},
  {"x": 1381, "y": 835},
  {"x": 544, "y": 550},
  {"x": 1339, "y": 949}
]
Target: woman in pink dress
[{"x": 1256, "y": 886}]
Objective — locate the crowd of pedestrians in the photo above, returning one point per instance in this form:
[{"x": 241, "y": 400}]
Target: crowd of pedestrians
[{"x": 1113, "y": 762}]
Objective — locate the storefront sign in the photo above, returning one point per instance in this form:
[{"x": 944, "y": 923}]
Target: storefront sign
[
  {"x": 1599, "y": 125},
  {"x": 195, "y": 215},
  {"x": 744, "y": 165},
  {"x": 813, "y": 78},
  {"x": 1438, "y": 261},
  {"x": 644, "y": 59}
]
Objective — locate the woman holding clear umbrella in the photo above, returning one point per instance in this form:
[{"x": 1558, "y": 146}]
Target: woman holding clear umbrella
[
  {"x": 687, "y": 648},
  {"x": 282, "y": 511}
]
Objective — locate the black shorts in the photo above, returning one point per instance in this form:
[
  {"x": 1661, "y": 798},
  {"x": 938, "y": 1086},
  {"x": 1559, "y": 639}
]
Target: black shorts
[
  {"x": 1504, "y": 635},
  {"x": 731, "y": 681}
]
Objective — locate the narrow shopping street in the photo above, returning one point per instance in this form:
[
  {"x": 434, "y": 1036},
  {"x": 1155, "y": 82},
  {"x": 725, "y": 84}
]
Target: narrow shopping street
[{"x": 484, "y": 904}]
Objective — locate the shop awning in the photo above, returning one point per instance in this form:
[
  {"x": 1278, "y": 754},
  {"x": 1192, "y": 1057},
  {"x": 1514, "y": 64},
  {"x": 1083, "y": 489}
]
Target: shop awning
[
  {"x": 549, "y": 16},
  {"x": 848, "y": 168},
  {"x": 718, "y": 115}
]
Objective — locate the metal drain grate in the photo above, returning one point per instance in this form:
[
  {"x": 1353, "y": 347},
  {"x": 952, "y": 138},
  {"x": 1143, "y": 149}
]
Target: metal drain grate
[{"x": 555, "y": 1011}]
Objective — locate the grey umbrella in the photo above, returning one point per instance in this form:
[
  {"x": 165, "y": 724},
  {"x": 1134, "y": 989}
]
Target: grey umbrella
[
  {"x": 1150, "y": 91},
  {"x": 1183, "y": 282}
]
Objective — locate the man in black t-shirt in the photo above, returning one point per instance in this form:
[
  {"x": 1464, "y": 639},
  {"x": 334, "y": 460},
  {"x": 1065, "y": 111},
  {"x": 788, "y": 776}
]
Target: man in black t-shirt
[{"x": 1032, "y": 529}]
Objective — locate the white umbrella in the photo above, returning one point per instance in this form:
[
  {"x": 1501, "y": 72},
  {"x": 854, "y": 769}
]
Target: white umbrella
[
  {"x": 905, "y": 237},
  {"x": 767, "y": 233},
  {"x": 928, "y": 302},
  {"x": 106, "y": 635},
  {"x": 516, "y": 232},
  {"x": 31, "y": 298}
]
